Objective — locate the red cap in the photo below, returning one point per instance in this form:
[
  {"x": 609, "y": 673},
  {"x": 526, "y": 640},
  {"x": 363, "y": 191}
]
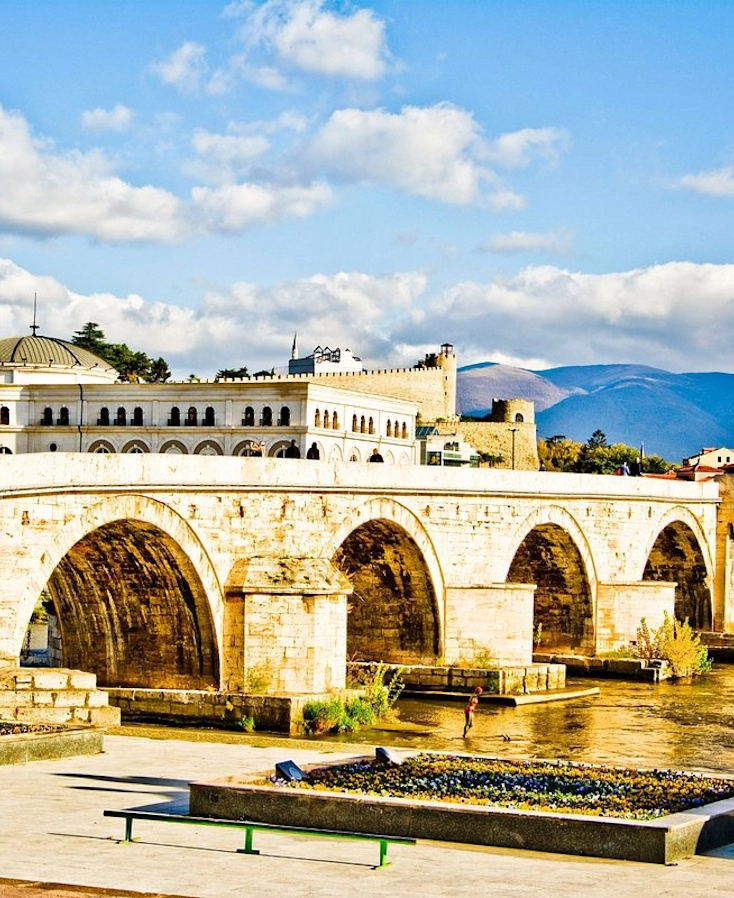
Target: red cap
[{"x": 478, "y": 690}]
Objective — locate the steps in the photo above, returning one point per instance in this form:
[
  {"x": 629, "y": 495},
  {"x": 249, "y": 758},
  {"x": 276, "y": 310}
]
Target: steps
[{"x": 55, "y": 696}]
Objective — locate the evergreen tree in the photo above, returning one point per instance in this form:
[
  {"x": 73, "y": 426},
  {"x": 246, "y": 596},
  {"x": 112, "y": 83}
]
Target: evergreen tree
[{"x": 131, "y": 366}]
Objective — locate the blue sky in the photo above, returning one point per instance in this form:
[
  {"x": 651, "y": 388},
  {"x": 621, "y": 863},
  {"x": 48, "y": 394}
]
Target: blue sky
[{"x": 538, "y": 183}]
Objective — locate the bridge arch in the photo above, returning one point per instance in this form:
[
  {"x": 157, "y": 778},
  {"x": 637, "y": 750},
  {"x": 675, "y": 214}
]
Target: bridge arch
[
  {"x": 551, "y": 551},
  {"x": 677, "y": 550},
  {"x": 396, "y": 612},
  {"x": 137, "y": 599}
]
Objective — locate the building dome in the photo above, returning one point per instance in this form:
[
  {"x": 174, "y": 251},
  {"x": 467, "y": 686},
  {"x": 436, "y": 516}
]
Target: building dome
[{"x": 25, "y": 359}]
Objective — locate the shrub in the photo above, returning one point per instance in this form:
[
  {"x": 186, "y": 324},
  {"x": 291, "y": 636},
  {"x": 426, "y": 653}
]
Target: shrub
[
  {"x": 344, "y": 715},
  {"x": 676, "y": 643},
  {"x": 259, "y": 678}
]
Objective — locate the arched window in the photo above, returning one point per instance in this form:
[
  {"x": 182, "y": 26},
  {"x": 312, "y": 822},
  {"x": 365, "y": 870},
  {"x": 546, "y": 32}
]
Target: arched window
[
  {"x": 285, "y": 416},
  {"x": 63, "y": 416},
  {"x": 192, "y": 416},
  {"x": 249, "y": 419},
  {"x": 326, "y": 419},
  {"x": 138, "y": 416},
  {"x": 104, "y": 417},
  {"x": 371, "y": 426},
  {"x": 4, "y": 415},
  {"x": 48, "y": 417},
  {"x": 335, "y": 421},
  {"x": 317, "y": 418},
  {"x": 389, "y": 428},
  {"x": 175, "y": 419},
  {"x": 404, "y": 433},
  {"x": 121, "y": 417},
  {"x": 209, "y": 417},
  {"x": 519, "y": 418},
  {"x": 354, "y": 423},
  {"x": 362, "y": 425},
  {"x": 267, "y": 420}
]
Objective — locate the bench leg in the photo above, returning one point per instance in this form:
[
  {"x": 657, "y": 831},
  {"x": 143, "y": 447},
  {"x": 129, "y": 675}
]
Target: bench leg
[
  {"x": 383, "y": 854},
  {"x": 128, "y": 837},
  {"x": 248, "y": 849}
]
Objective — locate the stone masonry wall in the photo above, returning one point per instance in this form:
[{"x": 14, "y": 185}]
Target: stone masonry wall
[
  {"x": 496, "y": 438},
  {"x": 54, "y": 695}
]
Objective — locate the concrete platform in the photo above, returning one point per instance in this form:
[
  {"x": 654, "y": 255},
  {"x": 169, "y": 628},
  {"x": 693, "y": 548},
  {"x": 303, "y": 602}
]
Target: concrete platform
[{"x": 58, "y": 835}]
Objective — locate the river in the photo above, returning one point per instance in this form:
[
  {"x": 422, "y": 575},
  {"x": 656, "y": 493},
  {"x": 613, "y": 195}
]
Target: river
[{"x": 688, "y": 725}]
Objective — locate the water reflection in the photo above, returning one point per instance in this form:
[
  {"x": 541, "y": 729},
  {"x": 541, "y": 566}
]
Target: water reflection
[{"x": 682, "y": 726}]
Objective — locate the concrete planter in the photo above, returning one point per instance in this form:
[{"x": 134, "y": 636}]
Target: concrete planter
[
  {"x": 661, "y": 841},
  {"x": 26, "y": 747}
]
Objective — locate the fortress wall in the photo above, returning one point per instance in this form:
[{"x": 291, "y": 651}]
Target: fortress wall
[
  {"x": 433, "y": 390},
  {"x": 495, "y": 438}
]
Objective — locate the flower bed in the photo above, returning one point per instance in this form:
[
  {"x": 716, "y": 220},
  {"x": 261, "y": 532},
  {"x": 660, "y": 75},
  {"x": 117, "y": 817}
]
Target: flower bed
[
  {"x": 13, "y": 728},
  {"x": 525, "y": 785}
]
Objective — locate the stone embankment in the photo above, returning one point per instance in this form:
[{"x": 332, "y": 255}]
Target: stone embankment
[
  {"x": 620, "y": 668},
  {"x": 516, "y": 680}
]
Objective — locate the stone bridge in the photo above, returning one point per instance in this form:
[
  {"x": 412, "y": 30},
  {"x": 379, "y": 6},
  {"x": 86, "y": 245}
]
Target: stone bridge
[{"x": 230, "y": 573}]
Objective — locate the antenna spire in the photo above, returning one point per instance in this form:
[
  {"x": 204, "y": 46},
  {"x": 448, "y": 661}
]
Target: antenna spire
[{"x": 34, "y": 326}]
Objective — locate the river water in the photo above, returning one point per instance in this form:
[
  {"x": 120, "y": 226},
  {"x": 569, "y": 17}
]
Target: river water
[{"x": 688, "y": 725}]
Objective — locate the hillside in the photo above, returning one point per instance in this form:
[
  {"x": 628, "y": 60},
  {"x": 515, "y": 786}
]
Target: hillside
[{"x": 673, "y": 415}]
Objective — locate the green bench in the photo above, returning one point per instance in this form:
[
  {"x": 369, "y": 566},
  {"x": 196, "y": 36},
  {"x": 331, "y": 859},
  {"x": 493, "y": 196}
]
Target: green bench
[{"x": 250, "y": 826}]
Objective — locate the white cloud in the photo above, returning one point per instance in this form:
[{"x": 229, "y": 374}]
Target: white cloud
[
  {"x": 556, "y": 242},
  {"x": 517, "y": 149},
  {"x": 429, "y": 152},
  {"x": 678, "y": 316},
  {"x": 304, "y": 35},
  {"x": 236, "y": 207},
  {"x": 221, "y": 158},
  {"x": 119, "y": 118},
  {"x": 709, "y": 183},
  {"x": 185, "y": 69},
  {"x": 43, "y": 194},
  {"x": 242, "y": 324}
]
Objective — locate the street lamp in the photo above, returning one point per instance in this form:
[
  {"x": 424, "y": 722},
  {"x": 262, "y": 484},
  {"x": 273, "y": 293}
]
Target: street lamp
[{"x": 513, "y": 431}]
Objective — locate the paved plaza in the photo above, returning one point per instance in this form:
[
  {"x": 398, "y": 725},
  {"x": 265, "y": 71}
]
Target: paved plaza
[{"x": 53, "y": 831}]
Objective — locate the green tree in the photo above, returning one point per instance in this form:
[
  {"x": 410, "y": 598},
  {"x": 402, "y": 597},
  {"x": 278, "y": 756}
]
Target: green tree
[
  {"x": 598, "y": 440},
  {"x": 158, "y": 372},
  {"x": 232, "y": 373},
  {"x": 131, "y": 366},
  {"x": 558, "y": 453},
  {"x": 91, "y": 337}
]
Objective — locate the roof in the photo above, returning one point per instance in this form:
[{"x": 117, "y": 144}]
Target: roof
[
  {"x": 425, "y": 430},
  {"x": 47, "y": 352}
]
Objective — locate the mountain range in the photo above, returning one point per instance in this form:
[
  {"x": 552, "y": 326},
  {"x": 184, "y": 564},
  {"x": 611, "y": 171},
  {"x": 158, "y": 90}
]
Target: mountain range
[{"x": 671, "y": 415}]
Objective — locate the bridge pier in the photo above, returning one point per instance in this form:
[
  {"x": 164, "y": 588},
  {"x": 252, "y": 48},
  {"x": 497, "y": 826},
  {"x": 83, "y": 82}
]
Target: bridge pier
[
  {"x": 621, "y": 607},
  {"x": 285, "y": 627},
  {"x": 497, "y": 617}
]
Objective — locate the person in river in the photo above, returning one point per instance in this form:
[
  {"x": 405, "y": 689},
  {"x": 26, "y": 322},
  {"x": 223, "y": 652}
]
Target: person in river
[{"x": 470, "y": 709}]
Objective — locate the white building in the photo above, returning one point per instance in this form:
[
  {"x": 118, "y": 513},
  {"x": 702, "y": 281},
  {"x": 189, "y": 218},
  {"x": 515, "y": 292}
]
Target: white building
[
  {"x": 55, "y": 396},
  {"x": 443, "y": 449},
  {"x": 711, "y": 458},
  {"x": 325, "y": 361}
]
